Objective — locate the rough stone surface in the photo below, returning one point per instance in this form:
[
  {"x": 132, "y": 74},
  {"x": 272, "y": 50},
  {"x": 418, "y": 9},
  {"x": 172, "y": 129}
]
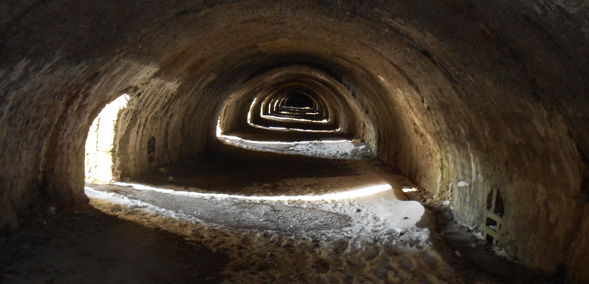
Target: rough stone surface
[{"x": 491, "y": 94}]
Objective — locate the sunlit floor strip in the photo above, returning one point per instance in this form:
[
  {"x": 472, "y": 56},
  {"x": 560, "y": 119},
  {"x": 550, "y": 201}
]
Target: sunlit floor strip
[
  {"x": 116, "y": 198},
  {"x": 368, "y": 212},
  {"x": 355, "y": 193},
  {"x": 338, "y": 149}
]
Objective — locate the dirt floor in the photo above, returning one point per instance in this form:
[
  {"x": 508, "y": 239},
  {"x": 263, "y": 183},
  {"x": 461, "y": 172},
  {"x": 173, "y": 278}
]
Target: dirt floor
[
  {"x": 228, "y": 169},
  {"x": 148, "y": 234},
  {"x": 84, "y": 245}
]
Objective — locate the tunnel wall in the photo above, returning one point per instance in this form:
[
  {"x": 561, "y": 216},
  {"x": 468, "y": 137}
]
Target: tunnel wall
[{"x": 465, "y": 97}]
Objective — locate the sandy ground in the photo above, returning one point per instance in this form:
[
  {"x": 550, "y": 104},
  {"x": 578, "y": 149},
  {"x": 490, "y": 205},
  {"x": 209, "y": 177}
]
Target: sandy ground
[{"x": 279, "y": 220}]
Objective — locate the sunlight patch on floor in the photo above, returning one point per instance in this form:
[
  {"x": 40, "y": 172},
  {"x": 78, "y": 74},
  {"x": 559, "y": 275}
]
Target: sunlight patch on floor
[{"x": 334, "y": 149}]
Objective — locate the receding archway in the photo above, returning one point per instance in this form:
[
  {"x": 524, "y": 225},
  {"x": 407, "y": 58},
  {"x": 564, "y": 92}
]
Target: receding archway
[{"x": 299, "y": 100}]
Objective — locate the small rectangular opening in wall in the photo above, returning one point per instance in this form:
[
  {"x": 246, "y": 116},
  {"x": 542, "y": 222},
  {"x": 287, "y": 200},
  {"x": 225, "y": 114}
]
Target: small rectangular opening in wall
[
  {"x": 494, "y": 211},
  {"x": 499, "y": 208},
  {"x": 491, "y": 223},
  {"x": 151, "y": 150},
  {"x": 490, "y": 239}
]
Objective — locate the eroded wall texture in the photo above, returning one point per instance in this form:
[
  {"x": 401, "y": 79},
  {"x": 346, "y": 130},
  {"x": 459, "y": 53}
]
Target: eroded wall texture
[{"x": 465, "y": 97}]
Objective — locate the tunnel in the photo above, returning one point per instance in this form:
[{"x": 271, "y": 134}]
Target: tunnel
[{"x": 481, "y": 107}]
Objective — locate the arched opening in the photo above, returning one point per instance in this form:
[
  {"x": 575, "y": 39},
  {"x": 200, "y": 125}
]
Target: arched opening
[{"x": 100, "y": 142}]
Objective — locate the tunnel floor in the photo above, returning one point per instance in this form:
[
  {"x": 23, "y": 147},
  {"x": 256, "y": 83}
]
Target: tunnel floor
[
  {"x": 84, "y": 245},
  {"x": 227, "y": 169},
  {"x": 221, "y": 218}
]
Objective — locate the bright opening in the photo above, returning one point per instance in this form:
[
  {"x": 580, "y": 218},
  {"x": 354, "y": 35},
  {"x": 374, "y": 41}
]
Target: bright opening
[
  {"x": 409, "y": 189},
  {"x": 99, "y": 144}
]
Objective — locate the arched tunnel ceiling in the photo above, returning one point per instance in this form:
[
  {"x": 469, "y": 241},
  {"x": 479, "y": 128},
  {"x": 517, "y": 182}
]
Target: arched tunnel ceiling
[{"x": 460, "y": 96}]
